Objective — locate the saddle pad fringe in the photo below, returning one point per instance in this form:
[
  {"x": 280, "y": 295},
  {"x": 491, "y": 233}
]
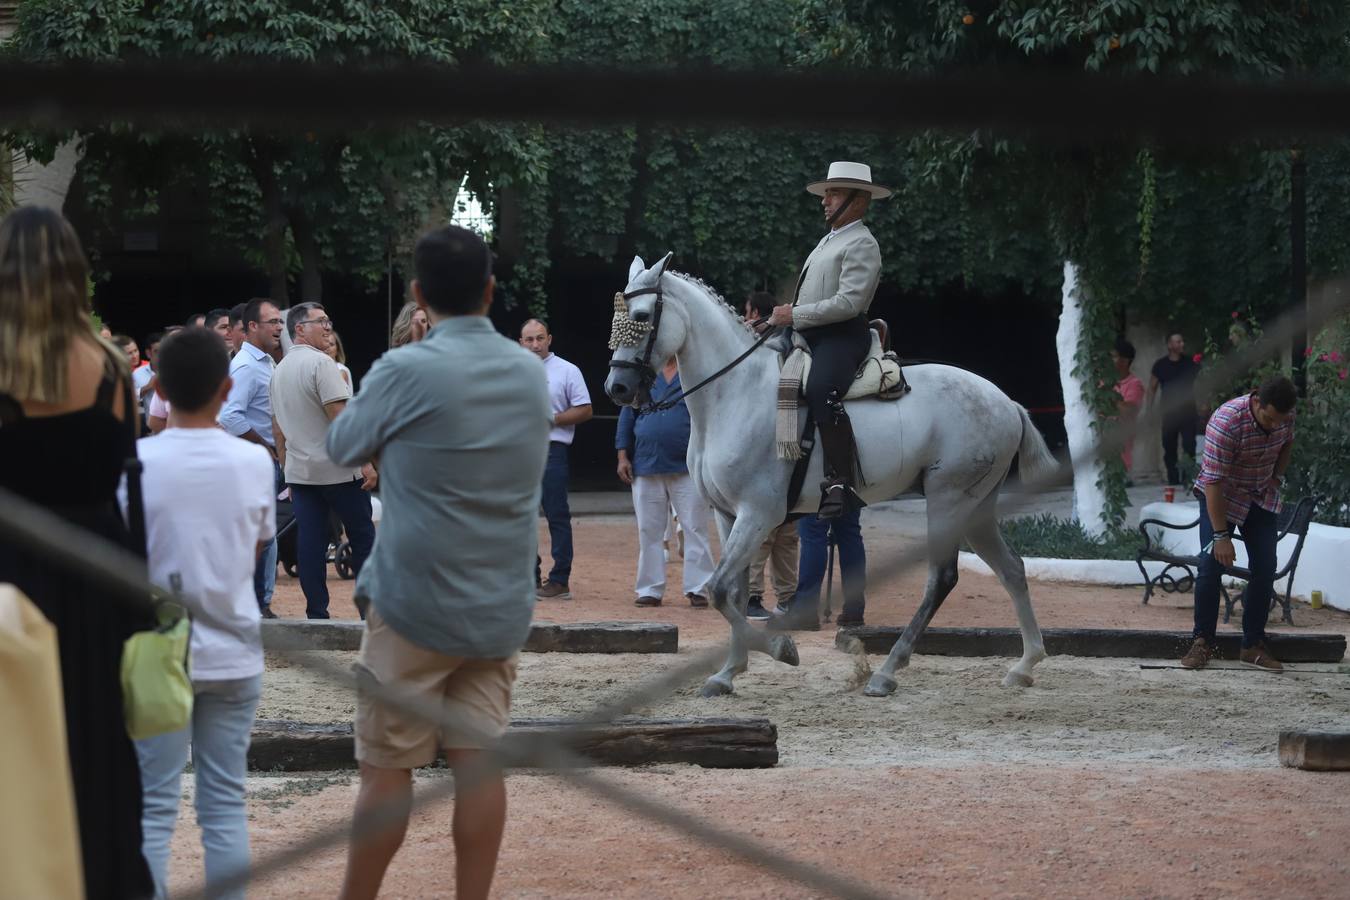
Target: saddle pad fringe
[{"x": 789, "y": 390}]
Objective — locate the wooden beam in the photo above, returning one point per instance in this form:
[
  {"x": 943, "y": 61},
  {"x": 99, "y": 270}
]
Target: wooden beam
[
  {"x": 716, "y": 743},
  {"x": 545, "y": 637},
  {"x": 1316, "y": 751},
  {"x": 1097, "y": 642}
]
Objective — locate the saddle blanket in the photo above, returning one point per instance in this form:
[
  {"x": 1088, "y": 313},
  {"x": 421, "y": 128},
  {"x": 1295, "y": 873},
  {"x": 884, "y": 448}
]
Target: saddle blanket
[{"x": 879, "y": 376}]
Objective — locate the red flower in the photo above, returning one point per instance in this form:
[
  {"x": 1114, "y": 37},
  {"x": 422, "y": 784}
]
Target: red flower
[
  {"x": 1197, "y": 358},
  {"x": 1322, "y": 358},
  {"x": 1307, "y": 353},
  {"x": 1342, "y": 374},
  {"x": 1237, "y": 315}
]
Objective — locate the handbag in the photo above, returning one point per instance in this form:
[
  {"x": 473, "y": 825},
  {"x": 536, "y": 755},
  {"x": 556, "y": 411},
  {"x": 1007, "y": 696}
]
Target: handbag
[{"x": 156, "y": 686}]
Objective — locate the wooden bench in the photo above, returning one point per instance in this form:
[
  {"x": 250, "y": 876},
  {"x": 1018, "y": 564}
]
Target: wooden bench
[{"x": 1293, "y": 519}]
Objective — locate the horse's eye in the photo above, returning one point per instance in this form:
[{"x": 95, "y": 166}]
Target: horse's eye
[{"x": 641, "y": 316}]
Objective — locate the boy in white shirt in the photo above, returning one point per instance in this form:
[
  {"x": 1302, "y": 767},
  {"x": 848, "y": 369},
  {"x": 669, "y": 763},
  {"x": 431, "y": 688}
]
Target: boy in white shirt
[{"x": 209, "y": 539}]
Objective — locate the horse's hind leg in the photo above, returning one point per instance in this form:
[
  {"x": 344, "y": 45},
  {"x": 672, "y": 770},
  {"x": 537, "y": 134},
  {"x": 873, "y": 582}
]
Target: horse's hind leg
[
  {"x": 730, "y": 590},
  {"x": 941, "y": 580},
  {"x": 987, "y": 541}
]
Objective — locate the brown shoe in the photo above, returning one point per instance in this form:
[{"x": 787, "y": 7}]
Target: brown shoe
[
  {"x": 1198, "y": 656},
  {"x": 697, "y": 601},
  {"x": 551, "y": 590},
  {"x": 647, "y": 601},
  {"x": 1259, "y": 657}
]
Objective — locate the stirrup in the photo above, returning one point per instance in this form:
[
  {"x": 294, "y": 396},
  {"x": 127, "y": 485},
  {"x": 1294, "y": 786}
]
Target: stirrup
[{"x": 838, "y": 498}]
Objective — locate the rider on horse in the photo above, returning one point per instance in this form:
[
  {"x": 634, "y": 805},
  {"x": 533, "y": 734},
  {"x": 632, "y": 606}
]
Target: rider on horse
[{"x": 834, "y": 290}]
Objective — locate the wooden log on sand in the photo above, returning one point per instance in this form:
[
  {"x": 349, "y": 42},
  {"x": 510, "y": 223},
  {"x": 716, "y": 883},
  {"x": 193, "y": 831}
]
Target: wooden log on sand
[
  {"x": 715, "y": 743},
  {"x": 576, "y": 637},
  {"x": 1316, "y": 751},
  {"x": 1098, "y": 642}
]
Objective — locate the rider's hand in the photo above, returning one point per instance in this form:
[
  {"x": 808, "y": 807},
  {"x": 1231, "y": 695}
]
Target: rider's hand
[
  {"x": 625, "y": 469},
  {"x": 781, "y": 315},
  {"x": 1224, "y": 554}
]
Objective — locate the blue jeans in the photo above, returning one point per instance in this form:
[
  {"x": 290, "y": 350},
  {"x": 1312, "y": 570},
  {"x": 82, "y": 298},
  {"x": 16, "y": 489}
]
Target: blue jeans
[
  {"x": 222, "y": 722},
  {"x": 554, "y": 500},
  {"x": 1258, "y": 534},
  {"x": 815, "y": 536},
  {"x": 313, "y": 505},
  {"x": 265, "y": 571}
]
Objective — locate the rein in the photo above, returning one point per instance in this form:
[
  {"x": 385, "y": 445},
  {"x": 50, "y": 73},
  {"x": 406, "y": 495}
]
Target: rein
[
  {"x": 670, "y": 402},
  {"x": 647, "y": 374}
]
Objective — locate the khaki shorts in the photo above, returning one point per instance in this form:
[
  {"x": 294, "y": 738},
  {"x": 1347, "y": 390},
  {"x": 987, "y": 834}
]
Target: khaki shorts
[{"x": 476, "y": 691}]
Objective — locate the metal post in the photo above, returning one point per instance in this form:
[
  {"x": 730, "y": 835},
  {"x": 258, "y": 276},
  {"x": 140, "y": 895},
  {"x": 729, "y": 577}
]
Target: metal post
[{"x": 829, "y": 573}]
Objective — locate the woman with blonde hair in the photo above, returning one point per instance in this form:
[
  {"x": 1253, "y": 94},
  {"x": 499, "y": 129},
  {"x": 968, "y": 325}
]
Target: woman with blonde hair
[
  {"x": 67, "y": 425},
  {"x": 410, "y": 326}
]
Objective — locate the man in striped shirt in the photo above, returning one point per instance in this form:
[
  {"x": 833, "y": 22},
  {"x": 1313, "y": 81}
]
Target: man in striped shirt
[{"x": 1247, "y": 446}]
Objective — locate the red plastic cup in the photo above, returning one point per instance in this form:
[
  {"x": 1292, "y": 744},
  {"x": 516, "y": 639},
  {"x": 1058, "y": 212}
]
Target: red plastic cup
[{"x": 1169, "y": 494}]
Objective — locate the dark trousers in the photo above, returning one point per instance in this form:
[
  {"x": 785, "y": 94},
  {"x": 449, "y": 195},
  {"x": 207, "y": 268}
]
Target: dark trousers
[
  {"x": 813, "y": 560},
  {"x": 554, "y": 500},
  {"x": 1177, "y": 428},
  {"x": 1258, "y": 534},
  {"x": 265, "y": 569},
  {"x": 837, "y": 350},
  {"x": 314, "y": 504}
]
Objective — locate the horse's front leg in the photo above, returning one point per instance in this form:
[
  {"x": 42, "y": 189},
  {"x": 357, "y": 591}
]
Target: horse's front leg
[{"x": 730, "y": 588}]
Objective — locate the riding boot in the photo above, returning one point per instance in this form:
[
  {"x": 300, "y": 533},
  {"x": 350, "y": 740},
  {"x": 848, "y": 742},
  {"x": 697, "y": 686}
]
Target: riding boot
[{"x": 837, "y": 490}]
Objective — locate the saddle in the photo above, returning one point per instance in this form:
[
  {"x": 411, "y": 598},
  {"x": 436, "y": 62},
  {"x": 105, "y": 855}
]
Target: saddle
[{"x": 880, "y": 375}]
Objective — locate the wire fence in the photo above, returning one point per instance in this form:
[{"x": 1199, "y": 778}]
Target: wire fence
[{"x": 230, "y": 94}]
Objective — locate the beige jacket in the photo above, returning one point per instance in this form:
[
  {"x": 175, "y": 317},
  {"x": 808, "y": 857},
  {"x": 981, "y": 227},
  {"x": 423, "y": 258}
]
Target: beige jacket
[{"x": 839, "y": 278}]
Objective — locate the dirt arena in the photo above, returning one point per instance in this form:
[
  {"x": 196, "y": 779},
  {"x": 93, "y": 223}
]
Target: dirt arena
[{"x": 1103, "y": 778}]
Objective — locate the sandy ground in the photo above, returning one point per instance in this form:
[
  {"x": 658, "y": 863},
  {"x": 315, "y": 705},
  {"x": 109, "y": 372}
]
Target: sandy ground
[{"x": 1104, "y": 778}]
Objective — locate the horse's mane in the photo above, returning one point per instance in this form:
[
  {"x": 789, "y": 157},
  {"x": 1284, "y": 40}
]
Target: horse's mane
[{"x": 708, "y": 289}]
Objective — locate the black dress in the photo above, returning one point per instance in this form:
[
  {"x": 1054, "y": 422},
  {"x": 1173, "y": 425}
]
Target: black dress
[{"x": 71, "y": 464}]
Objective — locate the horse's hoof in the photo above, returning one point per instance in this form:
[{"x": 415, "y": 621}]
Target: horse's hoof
[
  {"x": 880, "y": 685},
  {"x": 784, "y": 649},
  {"x": 1017, "y": 679},
  {"x": 716, "y": 687}
]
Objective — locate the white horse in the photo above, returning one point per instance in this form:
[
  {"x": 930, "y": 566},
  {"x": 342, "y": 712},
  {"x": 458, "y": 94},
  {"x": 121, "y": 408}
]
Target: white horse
[{"x": 953, "y": 438}]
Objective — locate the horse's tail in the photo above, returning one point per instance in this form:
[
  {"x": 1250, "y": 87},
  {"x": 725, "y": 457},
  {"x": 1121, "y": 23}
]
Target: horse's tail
[{"x": 1034, "y": 460}]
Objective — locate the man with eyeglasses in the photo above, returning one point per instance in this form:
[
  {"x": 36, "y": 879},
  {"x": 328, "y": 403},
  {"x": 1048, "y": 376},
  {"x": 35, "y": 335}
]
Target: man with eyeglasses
[
  {"x": 247, "y": 413},
  {"x": 308, "y": 392}
]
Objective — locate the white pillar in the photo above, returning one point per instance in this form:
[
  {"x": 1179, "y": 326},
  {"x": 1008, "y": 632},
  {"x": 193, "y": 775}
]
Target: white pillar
[
  {"x": 1089, "y": 499},
  {"x": 39, "y": 185}
]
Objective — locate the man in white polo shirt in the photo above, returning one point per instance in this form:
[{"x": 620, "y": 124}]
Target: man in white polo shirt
[
  {"x": 308, "y": 391},
  {"x": 570, "y": 405}
]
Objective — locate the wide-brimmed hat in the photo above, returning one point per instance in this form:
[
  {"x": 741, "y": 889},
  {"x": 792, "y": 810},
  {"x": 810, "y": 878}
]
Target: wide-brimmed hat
[{"x": 850, "y": 175}]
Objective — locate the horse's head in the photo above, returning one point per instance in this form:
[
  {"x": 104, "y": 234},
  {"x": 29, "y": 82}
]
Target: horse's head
[{"x": 644, "y": 335}]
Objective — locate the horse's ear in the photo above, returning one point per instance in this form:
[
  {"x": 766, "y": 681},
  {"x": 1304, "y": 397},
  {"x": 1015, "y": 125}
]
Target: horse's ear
[
  {"x": 636, "y": 269},
  {"x": 661, "y": 266}
]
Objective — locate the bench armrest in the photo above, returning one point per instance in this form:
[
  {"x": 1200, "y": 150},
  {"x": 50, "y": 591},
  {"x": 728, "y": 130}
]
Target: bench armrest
[{"x": 1148, "y": 539}]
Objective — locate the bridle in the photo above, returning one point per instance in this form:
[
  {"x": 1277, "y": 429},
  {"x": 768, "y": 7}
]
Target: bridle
[
  {"x": 643, "y": 367},
  {"x": 646, "y": 374}
]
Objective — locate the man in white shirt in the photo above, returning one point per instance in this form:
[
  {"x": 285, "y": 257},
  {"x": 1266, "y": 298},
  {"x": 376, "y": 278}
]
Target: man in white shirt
[
  {"x": 247, "y": 413},
  {"x": 571, "y": 405},
  {"x": 204, "y": 542},
  {"x": 307, "y": 392}
]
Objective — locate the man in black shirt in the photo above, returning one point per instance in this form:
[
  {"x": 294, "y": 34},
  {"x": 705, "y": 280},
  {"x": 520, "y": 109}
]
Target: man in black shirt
[{"x": 1175, "y": 374}]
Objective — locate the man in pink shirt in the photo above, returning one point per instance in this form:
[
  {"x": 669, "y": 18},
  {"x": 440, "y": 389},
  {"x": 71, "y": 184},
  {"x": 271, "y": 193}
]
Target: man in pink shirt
[
  {"x": 1131, "y": 391},
  {"x": 1247, "y": 446}
]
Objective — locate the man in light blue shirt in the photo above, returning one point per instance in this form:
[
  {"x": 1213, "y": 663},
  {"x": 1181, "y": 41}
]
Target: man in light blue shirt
[
  {"x": 247, "y": 413},
  {"x": 459, "y": 424}
]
